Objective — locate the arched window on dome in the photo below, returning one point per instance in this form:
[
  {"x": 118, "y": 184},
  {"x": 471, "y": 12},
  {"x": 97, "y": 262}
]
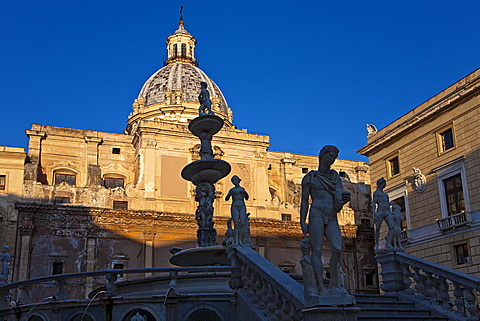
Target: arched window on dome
[
  {"x": 184, "y": 50},
  {"x": 175, "y": 51}
]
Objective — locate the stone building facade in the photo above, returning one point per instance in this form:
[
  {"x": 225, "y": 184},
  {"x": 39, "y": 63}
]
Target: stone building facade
[
  {"x": 94, "y": 200},
  {"x": 430, "y": 158}
]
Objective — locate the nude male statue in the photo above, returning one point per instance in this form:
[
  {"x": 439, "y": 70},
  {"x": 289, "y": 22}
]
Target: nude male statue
[
  {"x": 324, "y": 188},
  {"x": 204, "y": 99},
  {"x": 381, "y": 209},
  {"x": 238, "y": 210}
]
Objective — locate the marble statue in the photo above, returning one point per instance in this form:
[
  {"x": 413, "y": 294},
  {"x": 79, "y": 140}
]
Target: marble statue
[
  {"x": 238, "y": 210},
  {"x": 5, "y": 259},
  {"x": 395, "y": 228},
  {"x": 324, "y": 188},
  {"x": 205, "y": 102},
  {"x": 381, "y": 209}
]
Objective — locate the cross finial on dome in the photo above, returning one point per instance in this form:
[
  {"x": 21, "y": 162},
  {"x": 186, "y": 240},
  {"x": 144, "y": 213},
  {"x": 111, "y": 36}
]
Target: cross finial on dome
[{"x": 181, "y": 16}]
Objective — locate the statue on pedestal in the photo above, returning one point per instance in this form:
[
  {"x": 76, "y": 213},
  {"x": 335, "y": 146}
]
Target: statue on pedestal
[
  {"x": 205, "y": 102},
  {"x": 238, "y": 211},
  {"x": 324, "y": 188}
]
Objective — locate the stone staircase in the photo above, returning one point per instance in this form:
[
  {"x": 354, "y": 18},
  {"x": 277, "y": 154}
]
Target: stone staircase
[{"x": 381, "y": 307}]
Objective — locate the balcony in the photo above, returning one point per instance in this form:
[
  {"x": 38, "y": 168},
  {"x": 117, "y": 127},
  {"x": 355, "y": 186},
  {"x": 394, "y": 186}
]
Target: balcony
[{"x": 454, "y": 221}]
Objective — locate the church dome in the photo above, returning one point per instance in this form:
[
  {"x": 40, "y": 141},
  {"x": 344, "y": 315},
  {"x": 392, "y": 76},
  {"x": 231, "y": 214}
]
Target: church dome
[
  {"x": 184, "y": 77},
  {"x": 171, "y": 93}
]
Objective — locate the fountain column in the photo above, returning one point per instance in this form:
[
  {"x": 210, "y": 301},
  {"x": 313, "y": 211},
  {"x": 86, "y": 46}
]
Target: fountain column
[{"x": 204, "y": 173}]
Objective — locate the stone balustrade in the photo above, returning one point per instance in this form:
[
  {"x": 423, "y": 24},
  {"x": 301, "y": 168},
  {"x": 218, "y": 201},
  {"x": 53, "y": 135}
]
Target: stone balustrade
[
  {"x": 9, "y": 297},
  {"x": 275, "y": 293},
  {"x": 444, "y": 290},
  {"x": 454, "y": 221}
]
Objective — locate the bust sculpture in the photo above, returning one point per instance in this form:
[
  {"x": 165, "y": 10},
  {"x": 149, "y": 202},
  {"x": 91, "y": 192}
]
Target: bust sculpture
[
  {"x": 238, "y": 211},
  {"x": 324, "y": 188},
  {"x": 205, "y": 102}
]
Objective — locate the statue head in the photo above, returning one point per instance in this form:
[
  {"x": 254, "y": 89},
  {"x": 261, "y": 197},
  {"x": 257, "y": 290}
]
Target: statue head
[
  {"x": 6, "y": 249},
  {"x": 235, "y": 180},
  {"x": 203, "y": 84},
  {"x": 328, "y": 151},
  {"x": 381, "y": 182}
]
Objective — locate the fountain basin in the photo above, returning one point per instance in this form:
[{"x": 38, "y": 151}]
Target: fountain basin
[{"x": 209, "y": 171}]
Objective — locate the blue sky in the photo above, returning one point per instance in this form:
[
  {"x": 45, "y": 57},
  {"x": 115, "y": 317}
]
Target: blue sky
[{"x": 307, "y": 73}]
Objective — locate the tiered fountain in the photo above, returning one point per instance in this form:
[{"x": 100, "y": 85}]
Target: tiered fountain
[{"x": 203, "y": 173}]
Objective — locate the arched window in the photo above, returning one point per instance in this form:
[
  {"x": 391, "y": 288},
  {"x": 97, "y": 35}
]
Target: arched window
[
  {"x": 174, "y": 51},
  {"x": 184, "y": 50}
]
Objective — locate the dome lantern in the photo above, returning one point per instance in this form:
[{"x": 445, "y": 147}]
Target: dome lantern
[{"x": 181, "y": 45}]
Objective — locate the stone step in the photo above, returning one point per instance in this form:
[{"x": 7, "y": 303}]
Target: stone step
[{"x": 388, "y": 311}]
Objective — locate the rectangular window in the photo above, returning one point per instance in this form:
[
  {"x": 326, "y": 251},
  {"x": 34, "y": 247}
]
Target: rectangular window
[
  {"x": 62, "y": 200},
  {"x": 3, "y": 182},
  {"x": 111, "y": 182},
  {"x": 454, "y": 194},
  {"x": 369, "y": 278},
  {"x": 67, "y": 178},
  {"x": 461, "y": 253},
  {"x": 286, "y": 217},
  {"x": 118, "y": 266},
  {"x": 120, "y": 205},
  {"x": 446, "y": 139},
  {"x": 57, "y": 268},
  {"x": 393, "y": 166},
  {"x": 304, "y": 170},
  {"x": 366, "y": 222},
  {"x": 115, "y": 150}
]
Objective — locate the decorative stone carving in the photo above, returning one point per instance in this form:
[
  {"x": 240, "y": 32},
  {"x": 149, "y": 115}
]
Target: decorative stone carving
[
  {"x": 420, "y": 182},
  {"x": 371, "y": 129},
  {"x": 324, "y": 188},
  {"x": 131, "y": 190}
]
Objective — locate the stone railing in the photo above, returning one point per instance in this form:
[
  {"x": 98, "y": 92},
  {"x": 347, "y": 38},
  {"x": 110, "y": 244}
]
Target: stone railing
[
  {"x": 444, "y": 290},
  {"x": 59, "y": 292},
  {"x": 276, "y": 294},
  {"x": 454, "y": 221}
]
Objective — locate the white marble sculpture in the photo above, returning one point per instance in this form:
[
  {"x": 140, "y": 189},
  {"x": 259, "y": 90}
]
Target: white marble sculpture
[
  {"x": 205, "y": 102},
  {"x": 324, "y": 188},
  {"x": 381, "y": 209},
  {"x": 238, "y": 211},
  {"x": 395, "y": 228}
]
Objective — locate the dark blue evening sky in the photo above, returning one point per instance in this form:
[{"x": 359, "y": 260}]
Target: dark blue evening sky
[{"x": 307, "y": 73}]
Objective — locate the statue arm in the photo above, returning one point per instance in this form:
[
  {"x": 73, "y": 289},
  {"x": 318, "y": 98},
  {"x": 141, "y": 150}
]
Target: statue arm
[
  {"x": 228, "y": 196},
  {"x": 374, "y": 203},
  {"x": 304, "y": 203},
  {"x": 245, "y": 194}
]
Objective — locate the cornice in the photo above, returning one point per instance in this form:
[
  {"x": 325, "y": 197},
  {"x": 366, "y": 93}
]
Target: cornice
[{"x": 442, "y": 104}]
